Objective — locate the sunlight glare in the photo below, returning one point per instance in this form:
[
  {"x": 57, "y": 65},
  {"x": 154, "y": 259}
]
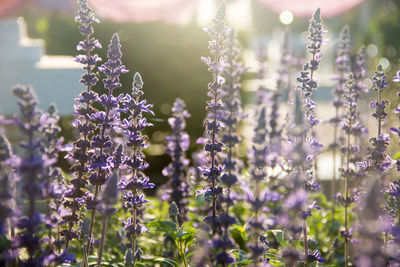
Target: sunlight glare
[{"x": 286, "y": 17}]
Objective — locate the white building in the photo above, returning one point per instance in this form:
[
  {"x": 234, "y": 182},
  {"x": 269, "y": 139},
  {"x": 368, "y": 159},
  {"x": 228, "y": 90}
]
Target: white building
[{"x": 23, "y": 61}]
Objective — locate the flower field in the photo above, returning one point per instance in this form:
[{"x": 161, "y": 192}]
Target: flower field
[{"x": 218, "y": 207}]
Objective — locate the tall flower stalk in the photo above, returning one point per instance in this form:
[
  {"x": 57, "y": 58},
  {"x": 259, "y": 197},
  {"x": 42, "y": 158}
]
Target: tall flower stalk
[
  {"x": 299, "y": 182},
  {"x": 81, "y": 154},
  {"x": 215, "y": 115},
  {"x": 54, "y": 183},
  {"x": 359, "y": 74},
  {"x": 352, "y": 128},
  {"x": 378, "y": 160},
  {"x": 343, "y": 68},
  {"x": 30, "y": 169},
  {"x": 231, "y": 70},
  {"x": 102, "y": 163},
  {"x": 307, "y": 84},
  {"x": 261, "y": 55},
  {"x": 282, "y": 85},
  {"x": 6, "y": 210},
  {"x": 257, "y": 198},
  {"x": 136, "y": 181},
  {"x": 178, "y": 144},
  {"x": 379, "y": 85}
]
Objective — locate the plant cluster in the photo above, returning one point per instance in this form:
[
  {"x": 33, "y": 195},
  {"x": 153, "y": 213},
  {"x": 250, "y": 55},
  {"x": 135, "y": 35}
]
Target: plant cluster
[{"x": 218, "y": 207}]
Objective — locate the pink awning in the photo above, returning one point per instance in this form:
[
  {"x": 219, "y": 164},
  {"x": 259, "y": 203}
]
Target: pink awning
[
  {"x": 7, "y": 6},
  {"x": 305, "y": 8},
  {"x": 174, "y": 10},
  {"x": 144, "y": 10}
]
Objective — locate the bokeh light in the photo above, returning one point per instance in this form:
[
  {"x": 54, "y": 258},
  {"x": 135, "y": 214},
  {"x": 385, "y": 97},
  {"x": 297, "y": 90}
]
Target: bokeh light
[
  {"x": 286, "y": 17},
  {"x": 372, "y": 50},
  {"x": 385, "y": 63}
]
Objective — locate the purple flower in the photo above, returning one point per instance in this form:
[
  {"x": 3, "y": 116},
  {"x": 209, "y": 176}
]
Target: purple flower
[
  {"x": 101, "y": 164},
  {"x": 216, "y": 113},
  {"x": 110, "y": 195},
  {"x": 396, "y": 78},
  {"x": 5, "y": 188},
  {"x": 5, "y": 149},
  {"x": 297, "y": 200},
  {"x": 359, "y": 72},
  {"x": 306, "y": 80},
  {"x": 315, "y": 256},
  {"x": 178, "y": 144},
  {"x": 282, "y": 84},
  {"x": 343, "y": 67},
  {"x": 135, "y": 181},
  {"x": 32, "y": 169},
  {"x": 80, "y": 155},
  {"x": 54, "y": 183},
  {"x": 113, "y": 68}
]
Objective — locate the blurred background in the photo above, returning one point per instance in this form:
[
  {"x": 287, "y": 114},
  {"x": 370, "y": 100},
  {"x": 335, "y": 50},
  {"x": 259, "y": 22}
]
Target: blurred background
[{"x": 164, "y": 40}]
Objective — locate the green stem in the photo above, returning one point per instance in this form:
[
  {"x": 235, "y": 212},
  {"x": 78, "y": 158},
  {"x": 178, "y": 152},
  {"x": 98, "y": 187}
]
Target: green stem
[
  {"x": 305, "y": 241},
  {"x": 134, "y": 235},
  {"x": 333, "y": 184},
  {"x": 103, "y": 237},
  {"x": 92, "y": 217},
  {"x": 181, "y": 249},
  {"x": 346, "y": 188}
]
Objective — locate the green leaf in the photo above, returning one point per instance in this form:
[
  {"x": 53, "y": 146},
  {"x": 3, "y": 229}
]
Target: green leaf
[
  {"x": 181, "y": 233},
  {"x": 245, "y": 262},
  {"x": 396, "y": 156},
  {"x": 275, "y": 238},
  {"x": 238, "y": 234},
  {"x": 164, "y": 226},
  {"x": 275, "y": 263},
  {"x": 169, "y": 262},
  {"x": 5, "y": 244}
]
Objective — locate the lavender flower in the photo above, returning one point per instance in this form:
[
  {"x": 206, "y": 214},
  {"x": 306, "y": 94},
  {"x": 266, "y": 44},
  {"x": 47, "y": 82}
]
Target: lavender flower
[
  {"x": 300, "y": 177},
  {"x": 282, "y": 84},
  {"x": 315, "y": 256},
  {"x": 359, "y": 72},
  {"x": 5, "y": 149},
  {"x": 308, "y": 84},
  {"x": 128, "y": 258},
  {"x": 306, "y": 79},
  {"x": 81, "y": 154},
  {"x": 261, "y": 55},
  {"x": 30, "y": 169},
  {"x": 343, "y": 67},
  {"x": 394, "y": 130},
  {"x": 215, "y": 116},
  {"x": 351, "y": 127},
  {"x": 392, "y": 196},
  {"x": 54, "y": 183},
  {"x": 106, "y": 120},
  {"x": 392, "y": 206},
  {"x": 379, "y": 85},
  {"x": 259, "y": 149},
  {"x": 371, "y": 250},
  {"x": 101, "y": 165},
  {"x": 377, "y": 157},
  {"x": 5, "y": 190},
  {"x": 258, "y": 199},
  {"x": 231, "y": 70},
  {"x": 178, "y": 144},
  {"x": 136, "y": 181}
]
